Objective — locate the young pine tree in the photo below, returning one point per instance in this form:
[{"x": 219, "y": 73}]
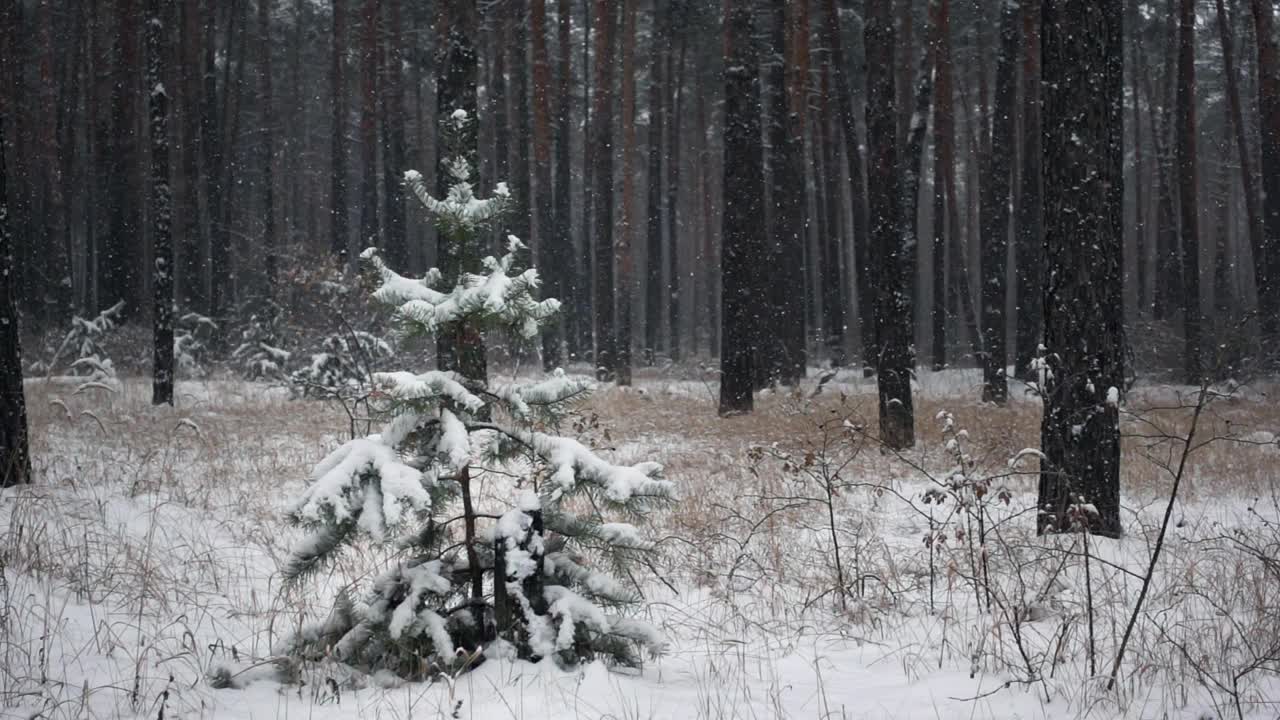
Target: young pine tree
[{"x": 522, "y": 579}]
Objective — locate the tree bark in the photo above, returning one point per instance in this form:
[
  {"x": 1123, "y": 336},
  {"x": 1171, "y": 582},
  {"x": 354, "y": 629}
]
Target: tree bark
[
  {"x": 1084, "y": 249},
  {"x": 658, "y": 117},
  {"x": 340, "y": 243},
  {"x": 624, "y": 260},
  {"x": 15, "y": 461},
  {"x": 1253, "y": 220},
  {"x": 1030, "y": 226},
  {"x": 1187, "y": 200},
  {"x": 161, "y": 209},
  {"x": 743, "y": 234},
  {"x": 604, "y": 316},
  {"x": 391, "y": 98},
  {"x": 270, "y": 259},
  {"x": 995, "y": 212},
  {"x": 893, "y": 323},
  {"x": 1267, "y": 261},
  {"x": 551, "y": 255}
]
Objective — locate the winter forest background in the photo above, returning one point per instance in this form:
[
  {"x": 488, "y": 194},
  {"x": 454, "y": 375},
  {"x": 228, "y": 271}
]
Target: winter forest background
[{"x": 639, "y": 358}]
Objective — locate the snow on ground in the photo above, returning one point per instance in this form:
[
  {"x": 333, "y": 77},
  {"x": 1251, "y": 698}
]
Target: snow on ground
[{"x": 145, "y": 562}]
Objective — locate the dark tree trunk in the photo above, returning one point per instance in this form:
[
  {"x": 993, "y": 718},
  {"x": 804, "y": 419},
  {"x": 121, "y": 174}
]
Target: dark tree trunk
[
  {"x": 340, "y": 243},
  {"x": 121, "y": 255},
  {"x": 913, "y": 169},
  {"x": 828, "y": 183},
  {"x": 1187, "y": 202},
  {"x": 604, "y": 316},
  {"x": 161, "y": 208},
  {"x": 563, "y": 277},
  {"x": 1030, "y": 239},
  {"x": 946, "y": 259},
  {"x": 460, "y": 347},
  {"x": 849, "y": 123},
  {"x": 1168, "y": 259},
  {"x": 393, "y": 142},
  {"x": 370, "y": 230},
  {"x": 658, "y": 117},
  {"x": 673, "y": 189},
  {"x": 995, "y": 212},
  {"x": 190, "y": 254},
  {"x": 741, "y": 229},
  {"x": 1253, "y": 219},
  {"x": 222, "y": 268},
  {"x": 1267, "y": 262},
  {"x": 623, "y": 256},
  {"x": 1084, "y": 248},
  {"x": 782, "y": 347},
  {"x": 551, "y": 255},
  {"x": 271, "y": 260},
  {"x": 1139, "y": 165},
  {"x": 893, "y": 322},
  {"x": 15, "y": 463}
]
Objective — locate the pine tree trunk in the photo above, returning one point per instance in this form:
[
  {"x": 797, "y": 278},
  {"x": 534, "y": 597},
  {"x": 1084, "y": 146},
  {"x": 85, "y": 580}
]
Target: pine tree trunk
[
  {"x": 161, "y": 208},
  {"x": 340, "y": 243},
  {"x": 742, "y": 232},
  {"x": 674, "y": 172},
  {"x": 370, "y": 230},
  {"x": 945, "y": 142},
  {"x": 913, "y": 168},
  {"x": 653, "y": 298},
  {"x": 564, "y": 276},
  {"x": 782, "y": 348},
  {"x": 1187, "y": 200},
  {"x": 1139, "y": 166},
  {"x": 393, "y": 140},
  {"x": 1168, "y": 260},
  {"x": 995, "y": 212},
  {"x": 1267, "y": 261},
  {"x": 832, "y": 278},
  {"x": 893, "y": 322},
  {"x": 270, "y": 258},
  {"x": 1029, "y": 251},
  {"x": 1253, "y": 219},
  {"x": 460, "y": 347},
  {"x": 551, "y": 255},
  {"x": 849, "y": 123},
  {"x": 1084, "y": 251},
  {"x": 624, "y": 259},
  {"x": 190, "y": 251},
  {"x": 15, "y": 463},
  {"x": 121, "y": 255},
  {"x": 604, "y": 315}
]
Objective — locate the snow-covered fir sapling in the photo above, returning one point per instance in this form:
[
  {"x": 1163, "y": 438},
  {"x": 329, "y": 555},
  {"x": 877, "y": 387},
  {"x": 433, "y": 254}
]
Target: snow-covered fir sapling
[{"x": 508, "y": 537}]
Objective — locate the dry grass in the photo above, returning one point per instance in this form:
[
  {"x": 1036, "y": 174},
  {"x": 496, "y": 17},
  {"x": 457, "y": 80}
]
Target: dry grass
[{"x": 166, "y": 524}]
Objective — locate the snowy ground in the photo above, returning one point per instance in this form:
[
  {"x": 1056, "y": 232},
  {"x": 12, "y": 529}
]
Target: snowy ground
[{"x": 145, "y": 560}]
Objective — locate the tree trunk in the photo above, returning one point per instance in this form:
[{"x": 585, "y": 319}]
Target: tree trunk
[
  {"x": 393, "y": 142},
  {"x": 658, "y": 117},
  {"x": 623, "y": 256},
  {"x": 893, "y": 323},
  {"x": 849, "y": 122},
  {"x": 340, "y": 243},
  {"x": 190, "y": 251},
  {"x": 1253, "y": 220},
  {"x": 1267, "y": 261},
  {"x": 1187, "y": 201},
  {"x": 995, "y": 212},
  {"x": 602, "y": 192},
  {"x": 460, "y": 347},
  {"x": 1030, "y": 239},
  {"x": 121, "y": 253},
  {"x": 551, "y": 255},
  {"x": 370, "y": 231},
  {"x": 673, "y": 189},
  {"x": 830, "y": 241},
  {"x": 161, "y": 209},
  {"x": 269, "y": 240},
  {"x": 1084, "y": 249},
  {"x": 742, "y": 232},
  {"x": 15, "y": 462}
]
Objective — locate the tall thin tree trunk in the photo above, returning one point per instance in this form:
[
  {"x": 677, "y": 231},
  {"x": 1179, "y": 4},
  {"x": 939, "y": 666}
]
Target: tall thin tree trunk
[
  {"x": 393, "y": 139},
  {"x": 604, "y": 316},
  {"x": 743, "y": 195},
  {"x": 1253, "y": 220},
  {"x": 1267, "y": 261},
  {"x": 340, "y": 242},
  {"x": 564, "y": 278},
  {"x": 658, "y": 117},
  {"x": 269, "y": 240},
  {"x": 370, "y": 230},
  {"x": 1187, "y": 192},
  {"x": 161, "y": 208},
  {"x": 1029, "y": 252},
  {"x": 623, "y": 255},
  {"x": 551, "y": 255},
  {"x": 15, "y": 461},
  {"x": 995, "y": 212},
  {"x": 893, "y": 324},
  {"x": 1082, "y": 61}
]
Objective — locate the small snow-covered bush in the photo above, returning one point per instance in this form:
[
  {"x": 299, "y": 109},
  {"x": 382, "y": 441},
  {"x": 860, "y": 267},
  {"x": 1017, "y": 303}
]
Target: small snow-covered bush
[
  {"x": 506, "y": 533},
  {"x": 83, "y": 347},
  {"x": 192, "y": 337},
  {"x": 345, "y": 362}
]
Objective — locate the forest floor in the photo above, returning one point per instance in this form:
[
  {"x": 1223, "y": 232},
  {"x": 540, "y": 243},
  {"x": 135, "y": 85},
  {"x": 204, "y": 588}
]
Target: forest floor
[{"x": 146, "y": 558}]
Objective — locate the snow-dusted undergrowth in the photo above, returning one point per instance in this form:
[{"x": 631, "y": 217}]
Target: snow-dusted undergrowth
[{"x": 145, "y": 563}]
